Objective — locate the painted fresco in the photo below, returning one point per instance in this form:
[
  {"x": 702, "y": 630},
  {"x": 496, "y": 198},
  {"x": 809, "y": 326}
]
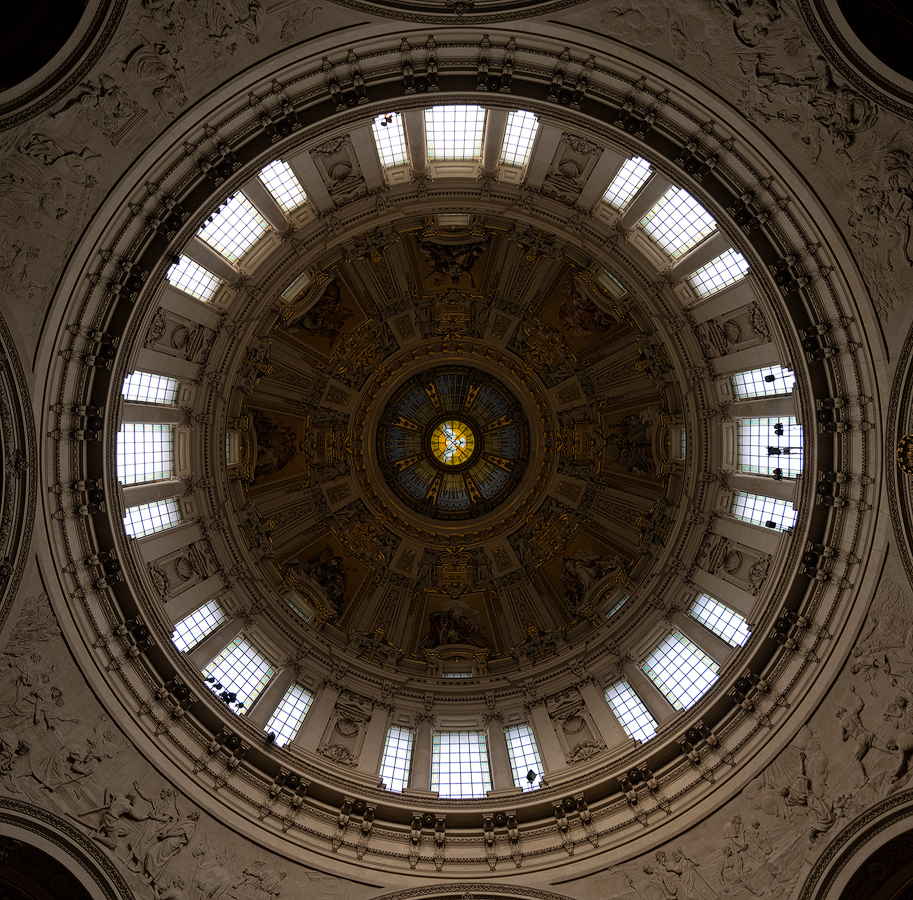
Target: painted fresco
[
  {"x": 582, "y": 320},
  {"x": 453, "y": 262},
  {"x": 278, "y": 446},
  {"x": 583, "y": 564},
  {"x": 330, "y": 571},
  {"x": 455, "y": 621},
  {"x": 630, "y": 441},
  {"x": 324, "y": 324}
]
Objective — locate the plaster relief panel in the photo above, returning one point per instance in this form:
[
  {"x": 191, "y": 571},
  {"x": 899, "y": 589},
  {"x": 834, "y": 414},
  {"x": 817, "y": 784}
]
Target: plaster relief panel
[{"x": 570, "y": 168}]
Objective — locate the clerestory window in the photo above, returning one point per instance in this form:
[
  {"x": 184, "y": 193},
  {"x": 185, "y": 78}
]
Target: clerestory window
[
  {"x": 145, "y": 452},
  {"x": 524, "y": 757},
  {"x": 200, "y": 623},
  {"x": 719, "y": 273},
  {"x": 192, "y": 278},
  {"x": 234, "y": 228},
  {"x": 758, "y": 509},
  {"x": 459, "y": 764},
  {"x": 454, "y": 132},
  {"x": 636, "y": 720},
  {"x": 720, "y": 619},
  {"x": 149, "y": 518},
  {"x": 766, "y": 382},
  {"x": 678, "y": 222},
  {"x": 286, "y": 719},
  {"x": 390, "y": 138},
  {"x": 279, "y": 179},
  {"x": 681, "y": 670},
  {"x": 238, "y": 674},
  {"x": 631, "y": 177},
  {"x": 143, "y": 387},
  {"x": 396, "y": 763}
]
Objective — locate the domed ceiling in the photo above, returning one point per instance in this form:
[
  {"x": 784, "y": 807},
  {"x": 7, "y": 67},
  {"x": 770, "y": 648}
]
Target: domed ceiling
[
  {"x": 450, "y": 420},
  {"x": 462, "y": 443}
]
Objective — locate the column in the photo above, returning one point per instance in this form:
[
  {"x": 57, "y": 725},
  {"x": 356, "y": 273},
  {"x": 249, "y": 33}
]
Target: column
[
  {"x": 495, "y": 126},
  {"x": 308, "y": 175},
  {"x": 157, "y": 363},
  {"x": 161, "y": 543},
  {"x": 502, "y": 776},
  {"x": 200, "y": 252},
  {"x": 315, "y": 723},
  {"x": 270, "y": 697},
  {"x": 715, "y": 647},
  {"x": 210, "y": 647},
  {"x": 753, "y": 358},
  {"x": 151, "y": 491},
  {"x": 365, "y": 148},
  {"x": 710, "y": 248},
  {"x": 652, "y": 697},
  {"x": 779, "y": 405},
  {"x": 729, "y": 594},
  {"x": 728, "y": 299},
  {"x": 600, "y": 178},
  {"x": 764, "y": 485},
  {"x": 645, "y": 199},
  {"x": 188, "y": 307},
  {"x": 193, "y": 598},
  {"x": 603, "y": 717},
  {"x": 369, "y": 758},
  {"x": 151, "y": 413},
  {"x": 547, "y": 142},
  {"x": 414, "y": 129},
  {"x": 549, "y": 746},
  {"x": 766, "y": 540},
  {"x": 265, "y": 204},
  {"x": 420, "y": 779}
]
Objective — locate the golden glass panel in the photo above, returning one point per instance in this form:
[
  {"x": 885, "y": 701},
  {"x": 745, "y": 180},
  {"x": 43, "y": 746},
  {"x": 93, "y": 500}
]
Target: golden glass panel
[{"x": 452, "y": 442}]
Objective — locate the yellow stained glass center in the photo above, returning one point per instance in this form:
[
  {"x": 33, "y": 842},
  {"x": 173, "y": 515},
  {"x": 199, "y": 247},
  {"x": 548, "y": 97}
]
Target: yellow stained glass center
[{"x": 452, "y": 442}]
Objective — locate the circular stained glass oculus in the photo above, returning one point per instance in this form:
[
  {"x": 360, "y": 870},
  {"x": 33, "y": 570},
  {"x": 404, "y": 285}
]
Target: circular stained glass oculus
[{"x": 453, "y": 442}]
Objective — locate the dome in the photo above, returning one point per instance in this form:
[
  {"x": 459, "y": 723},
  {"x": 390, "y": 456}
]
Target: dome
[{"x": 461, "y": 464}]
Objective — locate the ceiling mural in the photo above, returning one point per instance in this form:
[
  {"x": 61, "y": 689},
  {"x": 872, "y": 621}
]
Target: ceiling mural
[{"x": 460, "y": 426}]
